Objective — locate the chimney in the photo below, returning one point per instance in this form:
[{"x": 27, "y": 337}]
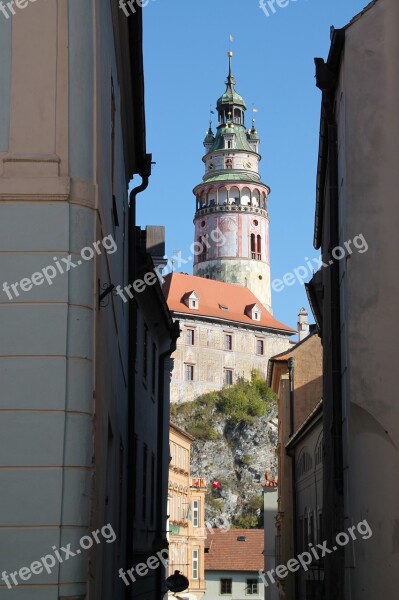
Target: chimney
[
  {"x": 155, "y": 244},
  {"x": 303, "y": 325}
]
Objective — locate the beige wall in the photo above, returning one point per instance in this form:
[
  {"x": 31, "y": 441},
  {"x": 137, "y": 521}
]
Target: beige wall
[
  {"x": 186, "y": 525},
  {"x": 211, "y": 359},
  {"x": 307, "y": 394},
  {"x": 368, "y": 125}
]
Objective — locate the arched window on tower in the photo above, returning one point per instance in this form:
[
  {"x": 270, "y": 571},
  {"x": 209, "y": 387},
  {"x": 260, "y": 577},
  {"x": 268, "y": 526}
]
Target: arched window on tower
[
  {"x": 202, "y": 249},
  {"x": 259, "y": 247},
  {"x": 253, "y": 246},
  {"x": 237, "y": 116}
]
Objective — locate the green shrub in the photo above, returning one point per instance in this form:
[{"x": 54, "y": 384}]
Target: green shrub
[{"x": 239, "y": 403}]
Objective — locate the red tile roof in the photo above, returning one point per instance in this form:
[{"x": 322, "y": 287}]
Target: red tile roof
[
  {"x": 213, "y": 295},
  {"x": 226, "y": 553}
]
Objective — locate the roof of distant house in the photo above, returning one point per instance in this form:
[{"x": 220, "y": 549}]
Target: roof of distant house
[
  {"x": 234, "y": 550},
  {"x": 217, "y": 300}
]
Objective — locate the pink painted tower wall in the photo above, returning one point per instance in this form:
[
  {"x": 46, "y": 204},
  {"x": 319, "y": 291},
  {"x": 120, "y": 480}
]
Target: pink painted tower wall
[{"x": 232, "y": 200}]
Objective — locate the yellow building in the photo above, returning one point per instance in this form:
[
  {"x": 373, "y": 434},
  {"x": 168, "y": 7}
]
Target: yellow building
[{"x": 186, "y": 511}]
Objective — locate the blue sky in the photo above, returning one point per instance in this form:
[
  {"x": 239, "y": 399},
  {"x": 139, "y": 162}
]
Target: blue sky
[{"x": 185, "y": 45}]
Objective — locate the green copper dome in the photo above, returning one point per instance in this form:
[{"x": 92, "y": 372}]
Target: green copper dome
[{"x": 231, "y": 97}]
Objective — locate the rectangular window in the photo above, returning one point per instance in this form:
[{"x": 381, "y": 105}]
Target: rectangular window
[
  {"x": 144, "y": 491},
  {"x": 179, "y": 456},
  {"x": 178, "y": 508},
  {"x": 252, "y": 586},
  {"x": 226, "y": 586},
  {"x": 228, "y": 376},
  {"x": 195, "y": 513},
  {"x": 153, "y": 368},
  {"x": 189, "y": 369},
  {"x": 260, "y": 347},
  {"x": 183, "y": 558},
  {"x": 152, "y": 499},
  {"x": 311, "y": 527},
  {"x": 228, "y": 341},
  {"x": 190, "y": 337},
  {"x": 145, "y": 352},
  {"x": 195, "y": 565},
  {"x": 305, "y": 531}
]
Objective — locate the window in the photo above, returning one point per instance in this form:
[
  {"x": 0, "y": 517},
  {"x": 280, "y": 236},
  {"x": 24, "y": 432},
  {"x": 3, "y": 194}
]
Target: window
[
  {"x": 183, "y": 558},
  {"x": 190, "y": 337},
  {"x": 252, "y": 586},
  {"x": 305, "y": 530},
  {"x": 195, "y": 564},
  {"x": 189, "y": 372},
  {"x": 311, "y": 526},
  {"x": 179, "y": 456},
  {"x": 203, "y": 246},
  {"x": 260, "y": 347},
  {"x": 259, "y": 248},
  {"x": 153, "y": 368},
  {"x": 228, "y": 341},
  {"x": 178, "y": 515},
  {"x": 320, "y": 532},
  {"x": 228, "y": 376},
  {"x": 152, "y": 499},
  {"x": 144, "y": 491},
  {"x": 145, "y": 352},
  {"x": 195, "y": 513},
  {"x": 226, "y": 586},
  {"x": 253, "y": 246}
]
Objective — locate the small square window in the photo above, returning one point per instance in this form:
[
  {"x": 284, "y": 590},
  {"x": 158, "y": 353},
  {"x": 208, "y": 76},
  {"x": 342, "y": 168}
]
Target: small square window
[
  {"x": 189, "y": 372},
  {"x": 252, "y": 586},
  {"x": 194, "y": 304},
  {"x": 228, "y": 376},
  {"x": 226, "y": 586}
]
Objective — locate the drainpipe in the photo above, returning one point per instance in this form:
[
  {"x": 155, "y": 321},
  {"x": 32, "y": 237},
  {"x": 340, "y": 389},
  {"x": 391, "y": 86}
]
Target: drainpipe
[
  {"x": 291, "y": 454},
  {"x": 160, "y": 520},
  {"x": 291, "y": 367},
  {"x": 144, "y": 173},
  {"x": 326, "y": 81}
]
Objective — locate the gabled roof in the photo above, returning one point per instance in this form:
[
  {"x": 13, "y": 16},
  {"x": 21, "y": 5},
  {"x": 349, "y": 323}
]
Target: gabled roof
[
  {"x": 226, "y": 553},
  {"x": 213, "y": 295}
]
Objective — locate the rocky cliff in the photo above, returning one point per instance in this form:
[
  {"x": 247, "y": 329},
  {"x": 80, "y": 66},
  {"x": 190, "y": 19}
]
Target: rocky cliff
[{"x": 236, "y": 437}]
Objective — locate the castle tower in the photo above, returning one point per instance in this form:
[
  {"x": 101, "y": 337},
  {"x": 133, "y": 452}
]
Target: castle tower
[{"x": 233, "y": 200}]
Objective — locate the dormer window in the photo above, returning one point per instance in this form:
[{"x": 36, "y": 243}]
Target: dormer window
[
  {"x": 191, "y": 300},
  {"x": 254, "y": 312}
]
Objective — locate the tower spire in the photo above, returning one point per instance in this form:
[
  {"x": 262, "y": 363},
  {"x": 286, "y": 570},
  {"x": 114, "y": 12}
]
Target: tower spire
[{"x": 230, "y": 79}]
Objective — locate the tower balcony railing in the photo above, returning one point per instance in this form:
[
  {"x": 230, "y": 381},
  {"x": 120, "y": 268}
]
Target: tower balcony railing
[{"x": 230, "y": 208}]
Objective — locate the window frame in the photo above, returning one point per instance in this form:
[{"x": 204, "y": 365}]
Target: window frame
[
  {"x": 250, "y": 590},
  {"x": 195, "y": 565},
  {"x": 262, "y": 342},
  {"x": 189, "y": 368},
  {"x": 190, "y": 336},
  {"x": 196, "y": 513},
  {"x": 230, "y": 372},
  {"x": 226, "y": 581},
  {"x": 228, "y": 342}
]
